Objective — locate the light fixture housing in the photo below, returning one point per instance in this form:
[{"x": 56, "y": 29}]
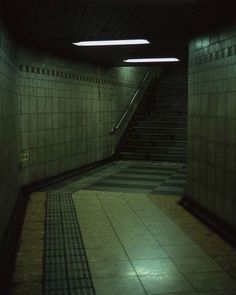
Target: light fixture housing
[
  {"x": 112, "y": 42},
  {"x": 153, "y": 59}
]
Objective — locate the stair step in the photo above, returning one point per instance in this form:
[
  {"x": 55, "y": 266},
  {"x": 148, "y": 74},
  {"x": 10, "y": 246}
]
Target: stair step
[
  {"x": 170, "y": 108},
  {"x": 147, "y": 117},
  {"x": 160, "y": 124},
  {"x": 156, "y": 143},
  {"x": 170, "y": 113},
  {"x": 171, "y": 94},
  {"x": 154, "y": 157},
  {"x": 158, "y": 130},
  {"x": 163, "y": 110},
  {"x": 156, "y": 136},
  {"x": 161, "y": 120},
  {"x": 166, "y": 101},
  {"x": 171, "y": 105},
  {"x": 161, "y": 130},
  {"x": 155, "y": 150}
]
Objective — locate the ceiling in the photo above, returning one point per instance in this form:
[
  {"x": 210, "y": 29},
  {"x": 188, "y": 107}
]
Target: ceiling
[{"x": 167, "y": 24}]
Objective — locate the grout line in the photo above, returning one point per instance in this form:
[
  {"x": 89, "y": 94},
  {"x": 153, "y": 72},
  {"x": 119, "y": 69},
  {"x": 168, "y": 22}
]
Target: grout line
[
  {"x": 44, "y": 244},
  {"x": 195, "y": 243},
  {"x": 82, "y": 242},
  {"x": 122, "y": 245},
  {"x": 64, "y": 244},
  {"x": 162, "y": 246},
  {"x": 88, "y": 179}
]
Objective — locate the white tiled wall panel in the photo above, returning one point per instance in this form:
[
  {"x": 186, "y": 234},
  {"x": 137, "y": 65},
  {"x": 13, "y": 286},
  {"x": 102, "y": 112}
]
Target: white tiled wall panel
[
  {"x": 212, "y": 123},
  {"x": 55, "y": 116},
  {"x": 9, "y": 122},
  {"x": 67, "y": 113}
]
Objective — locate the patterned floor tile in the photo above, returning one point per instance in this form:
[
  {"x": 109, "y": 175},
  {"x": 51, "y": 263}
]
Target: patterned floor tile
[
  {"x": 65, "y": 262},
  {"x": 211, "y": 281},
  {"x": 136, "y": 242},
  {"x": 166, "y": 283}
]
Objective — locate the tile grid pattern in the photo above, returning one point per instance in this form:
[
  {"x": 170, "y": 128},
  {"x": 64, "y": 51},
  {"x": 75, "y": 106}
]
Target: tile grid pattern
[
  {"x": 77, "y": 182},
  {"x": 29, "y": 264},
  {"x": 9, "y": 184},
  {"x": 133, "y": 245},
  {"x": 158, "y": 129},
  {"x": 197, "y": 256},
  {"x": 65, "y": 264},
  {"x": 73, "y": 75},
  {"x": 120, "y": 240},
  {"x": 65, "y": 121},
  {"x": 213, "y": 53},
  {"x": 142, "y": 177},
  {"x": 144, "y": 248},
  {"x": 211, "y": 161}
]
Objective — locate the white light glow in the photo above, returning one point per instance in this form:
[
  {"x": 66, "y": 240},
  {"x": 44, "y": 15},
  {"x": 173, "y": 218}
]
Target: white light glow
[
  {"x": 112, "y": 42},
  {"x": 137, "y": 60}
]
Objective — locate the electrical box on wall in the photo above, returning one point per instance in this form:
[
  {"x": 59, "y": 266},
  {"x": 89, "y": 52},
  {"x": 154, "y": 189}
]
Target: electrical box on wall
[{"x": 24, "y": 156}]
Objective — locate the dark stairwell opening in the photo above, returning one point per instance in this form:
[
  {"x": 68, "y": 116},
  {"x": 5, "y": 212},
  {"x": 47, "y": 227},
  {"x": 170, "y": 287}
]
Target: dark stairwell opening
[{"x": 158, "y": 128}]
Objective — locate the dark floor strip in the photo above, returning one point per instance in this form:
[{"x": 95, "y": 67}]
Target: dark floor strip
[
  {"x": 177, "y": 185},
  {"x": 66, "y": 269},
  {"x": 156, "y": 169},
  {"x": 121, "y": 185},
  {"x": 168, "y": 192},
  {"x": 118, "y": 189},
  {"x": 178, "y": 177},
  {"x": 151, "y": 182},
  {"x": 118, "y": 177},
  {"x": 133, "y": 171}
]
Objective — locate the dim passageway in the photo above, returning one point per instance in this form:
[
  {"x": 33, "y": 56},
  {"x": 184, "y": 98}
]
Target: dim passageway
[
  {"x": 117, "y": 147},
  {"x": 118, "y": 229}
]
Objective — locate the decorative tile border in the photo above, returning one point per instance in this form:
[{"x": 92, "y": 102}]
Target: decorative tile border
[
  {"x": 213, "y": 56},
  {"x": 71, "y": 75}
]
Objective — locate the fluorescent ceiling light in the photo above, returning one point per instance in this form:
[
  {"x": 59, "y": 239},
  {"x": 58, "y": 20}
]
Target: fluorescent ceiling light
[
  {"x": 112, "y": 42},
  {"x": 167, "y": 59}
]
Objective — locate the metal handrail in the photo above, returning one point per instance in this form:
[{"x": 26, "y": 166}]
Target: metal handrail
[{"x": 113, "y": 130}]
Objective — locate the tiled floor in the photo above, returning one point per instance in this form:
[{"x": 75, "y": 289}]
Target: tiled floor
[
  {"x": 129, "y": 176},
  {"x": 117, "y": 230}
]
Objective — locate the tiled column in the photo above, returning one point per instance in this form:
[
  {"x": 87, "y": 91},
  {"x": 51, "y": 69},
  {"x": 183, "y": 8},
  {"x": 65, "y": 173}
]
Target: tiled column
[{"x": 212, "y": 123}]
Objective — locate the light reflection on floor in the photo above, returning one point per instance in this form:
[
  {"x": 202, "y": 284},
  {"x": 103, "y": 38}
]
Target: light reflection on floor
[{"x": 136, "y": 242}]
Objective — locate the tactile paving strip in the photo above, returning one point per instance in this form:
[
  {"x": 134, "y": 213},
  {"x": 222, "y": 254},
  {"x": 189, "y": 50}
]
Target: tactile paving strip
[{"x": 66, "y": 270}]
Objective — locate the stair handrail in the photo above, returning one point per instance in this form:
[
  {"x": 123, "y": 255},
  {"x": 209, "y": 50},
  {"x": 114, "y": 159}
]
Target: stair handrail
[{"x": 140, "y": 86}]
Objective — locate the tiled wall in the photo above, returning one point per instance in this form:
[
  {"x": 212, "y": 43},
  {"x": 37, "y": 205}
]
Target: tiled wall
[
  {"x": 212, "y": 123},
  {"x": 55, "y": 116},
  {"x": 67, "y": 113},
  {"x": 9, "y": 164}
]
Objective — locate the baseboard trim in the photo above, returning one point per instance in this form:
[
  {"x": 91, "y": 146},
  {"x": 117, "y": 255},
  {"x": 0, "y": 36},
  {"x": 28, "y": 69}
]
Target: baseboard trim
[
  {"x": 60, "y": 177},
  {"x": 222, "y": 228},
  {"x": 10, "y": 243},
  {"x": 8, "y": 249}
]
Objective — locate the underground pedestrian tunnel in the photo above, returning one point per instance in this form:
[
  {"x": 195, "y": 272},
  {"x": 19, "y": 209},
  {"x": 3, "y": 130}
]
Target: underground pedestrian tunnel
[{"x": 118, "y": 147}]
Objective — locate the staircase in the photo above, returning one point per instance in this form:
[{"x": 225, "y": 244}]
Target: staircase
[{"x": 158, "y": 129}]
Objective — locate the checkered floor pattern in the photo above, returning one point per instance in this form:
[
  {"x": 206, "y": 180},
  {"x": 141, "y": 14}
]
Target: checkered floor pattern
[
  {"x": 161, "y": 178},
  {"x": 130, "y": 176}
]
